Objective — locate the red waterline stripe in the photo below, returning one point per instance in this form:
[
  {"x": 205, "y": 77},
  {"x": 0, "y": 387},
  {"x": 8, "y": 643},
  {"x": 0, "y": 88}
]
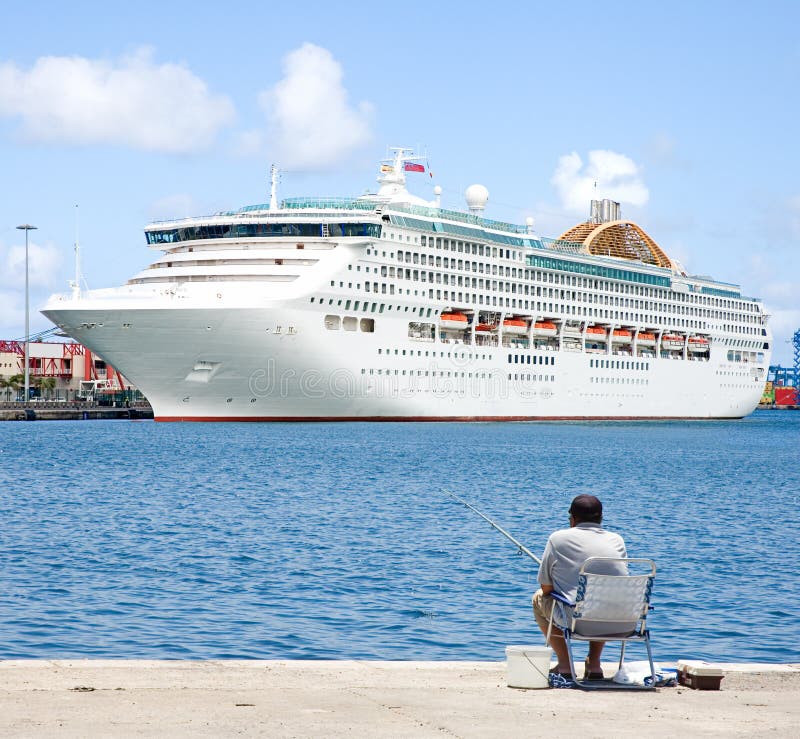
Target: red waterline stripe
[{"x": 439, "y": 419}]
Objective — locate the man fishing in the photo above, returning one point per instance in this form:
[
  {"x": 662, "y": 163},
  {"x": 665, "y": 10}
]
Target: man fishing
[{"x": 564, "y": 554}]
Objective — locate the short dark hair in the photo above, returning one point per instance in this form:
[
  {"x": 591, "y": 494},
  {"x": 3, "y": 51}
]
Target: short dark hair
[{"x": 586, "y": 509}]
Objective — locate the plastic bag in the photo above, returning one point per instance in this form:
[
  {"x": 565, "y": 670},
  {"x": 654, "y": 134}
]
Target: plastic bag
[{"x": 635, "y": 673}]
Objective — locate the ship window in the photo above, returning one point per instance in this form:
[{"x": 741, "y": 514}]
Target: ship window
[
  {"x": 350, "y": 323},
  {"x": 332, "y": 323},
  {"x": 367, "y": 325}
]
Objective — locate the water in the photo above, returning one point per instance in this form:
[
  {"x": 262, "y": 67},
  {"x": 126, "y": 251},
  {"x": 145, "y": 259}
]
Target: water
[{"x": 145, "y": 540}]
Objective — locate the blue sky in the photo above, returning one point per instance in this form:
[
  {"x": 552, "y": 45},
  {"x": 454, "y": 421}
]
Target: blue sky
[{"x": 687, "y": 112}]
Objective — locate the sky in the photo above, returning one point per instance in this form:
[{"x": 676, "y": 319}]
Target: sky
[{"x": 113, "y": 115}]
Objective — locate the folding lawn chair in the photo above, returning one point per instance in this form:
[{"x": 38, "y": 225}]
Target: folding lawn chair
[{"x": 608, "y": 607}]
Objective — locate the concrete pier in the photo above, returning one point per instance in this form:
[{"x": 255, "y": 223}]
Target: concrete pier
[
  {"x": 71, "y": 412},
  {"x": 78, "y": 698}
]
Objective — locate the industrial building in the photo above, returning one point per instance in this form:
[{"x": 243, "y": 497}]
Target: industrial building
[
  {"x": 783, "y": 383},
  {"x": 60, "y": 371}
]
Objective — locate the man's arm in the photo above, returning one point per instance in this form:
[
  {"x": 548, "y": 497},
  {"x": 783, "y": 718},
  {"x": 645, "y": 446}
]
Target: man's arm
[{"x": 544, "y": 578}]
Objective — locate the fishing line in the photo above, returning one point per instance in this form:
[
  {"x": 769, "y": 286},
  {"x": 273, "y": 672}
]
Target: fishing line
[{"x": 521, "y": 547}]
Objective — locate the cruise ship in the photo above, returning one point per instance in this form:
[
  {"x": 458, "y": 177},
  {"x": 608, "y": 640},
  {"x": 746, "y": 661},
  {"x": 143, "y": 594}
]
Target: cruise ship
[{"x": 389, "y": 307}]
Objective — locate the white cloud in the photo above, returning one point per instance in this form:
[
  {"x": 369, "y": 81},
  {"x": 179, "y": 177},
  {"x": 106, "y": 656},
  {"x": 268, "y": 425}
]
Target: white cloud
[
  {"x": 783, "y": 322},
  {"x": 44, "y": 264},
  {"x": 617, "y": 177},
  {"x": 312, "y": 124},
  {"x": 771, "y": 281},
  {"x": 179, "y": 205},
  {"x": 131, "y": 101},
  {"x": 12, "y": 315},
  {"x": 45, "y": 273}
]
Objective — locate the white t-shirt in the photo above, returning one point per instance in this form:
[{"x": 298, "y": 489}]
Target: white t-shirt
[{"x": 568, "y": 549}]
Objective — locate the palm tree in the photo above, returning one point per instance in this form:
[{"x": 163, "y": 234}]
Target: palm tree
[
  {"x": 46, "y": 385},
  {"x": 15, "y": 382}
]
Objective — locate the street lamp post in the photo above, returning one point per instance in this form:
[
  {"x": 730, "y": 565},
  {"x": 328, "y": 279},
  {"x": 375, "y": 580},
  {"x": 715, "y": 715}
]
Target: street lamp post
[{"x": 27, "y": 227}]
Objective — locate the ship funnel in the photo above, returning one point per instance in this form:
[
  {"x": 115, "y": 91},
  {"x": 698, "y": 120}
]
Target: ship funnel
[{"x": 604, "y": 211}]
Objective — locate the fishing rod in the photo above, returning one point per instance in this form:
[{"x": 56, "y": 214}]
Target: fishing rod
[{"x": 521, "y": 547}]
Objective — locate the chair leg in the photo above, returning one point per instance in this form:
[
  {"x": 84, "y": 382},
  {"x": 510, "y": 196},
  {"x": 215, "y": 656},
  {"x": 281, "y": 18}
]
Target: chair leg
[
  {"x": 569, "y": 652},
  {"x": 650, "y": 656}
]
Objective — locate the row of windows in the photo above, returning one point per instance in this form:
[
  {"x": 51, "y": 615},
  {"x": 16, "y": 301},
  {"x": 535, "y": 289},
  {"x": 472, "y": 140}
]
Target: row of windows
[
  {"x": 453, "y": 374},
  {"x": 530, "y": 359},
  {"x": 561, "y": 266},
  {"x": 367, "y": 307},
  {"x": 620, "y": 380},
  {"x": 255, "y": 230},
  {"x": 532, "y": 378},
  {"x": 457, "y": 230},
  {"x": 739, "y": 356},
  {"x": 595, "y": 285},
  {"x": 350, "y": 323},
  {"x": 566, "y": 265},
  {"x": 545, "y": 262},
  {"x": 550, "y": 309},
  {"x": 618, "y": 364}
]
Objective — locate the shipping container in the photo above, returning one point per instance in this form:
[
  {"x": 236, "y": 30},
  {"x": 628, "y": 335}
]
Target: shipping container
[
  {"x": 785, "y": 396},
  {"x": 767, "y": 397}
]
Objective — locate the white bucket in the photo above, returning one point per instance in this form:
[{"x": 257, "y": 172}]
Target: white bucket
[{"x": 527, "y": 667}]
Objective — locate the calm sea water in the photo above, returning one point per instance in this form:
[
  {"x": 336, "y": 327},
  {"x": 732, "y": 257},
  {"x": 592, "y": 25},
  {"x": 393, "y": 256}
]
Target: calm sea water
[{"x": 137, "y": 539}]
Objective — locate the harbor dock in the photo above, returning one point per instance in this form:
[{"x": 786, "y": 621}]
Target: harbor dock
[
  {"x": 74, "y": 698},
  {"x": 72, "y": 411}
]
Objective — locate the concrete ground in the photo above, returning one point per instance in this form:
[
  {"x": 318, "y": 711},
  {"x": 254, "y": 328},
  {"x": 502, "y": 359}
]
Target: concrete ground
[{"x": 83, "y": 698}]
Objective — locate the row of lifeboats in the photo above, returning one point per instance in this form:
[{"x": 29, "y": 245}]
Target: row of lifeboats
[
  {"x": 519, "y": 327},
  {"x": 669, "y": 342}
]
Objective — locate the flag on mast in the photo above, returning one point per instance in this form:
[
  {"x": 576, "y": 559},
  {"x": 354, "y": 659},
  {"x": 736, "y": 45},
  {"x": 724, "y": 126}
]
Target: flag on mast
[{"x": 412, "y": 167}]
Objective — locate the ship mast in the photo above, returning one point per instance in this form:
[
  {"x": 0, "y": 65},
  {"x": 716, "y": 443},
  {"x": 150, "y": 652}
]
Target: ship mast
[
  {"x": 76, "y": 283},
  {"x": 273, "y": 193}
]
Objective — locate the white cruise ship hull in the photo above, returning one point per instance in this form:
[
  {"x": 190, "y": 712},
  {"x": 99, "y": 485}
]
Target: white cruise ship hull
[
  {"x": 278, "y": 363},
  {"x": 387, "y": 307}
]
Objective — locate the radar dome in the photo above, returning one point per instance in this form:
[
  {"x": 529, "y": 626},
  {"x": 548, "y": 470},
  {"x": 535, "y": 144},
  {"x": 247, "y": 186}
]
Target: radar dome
[{"x": 477, "y": 196}]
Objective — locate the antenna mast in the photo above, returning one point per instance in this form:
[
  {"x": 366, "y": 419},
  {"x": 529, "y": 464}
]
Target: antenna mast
[
  {"x": 76, "y": 283},
  {"x": 273, "y": 193}
]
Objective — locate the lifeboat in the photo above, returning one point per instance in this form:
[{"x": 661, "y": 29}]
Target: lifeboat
[
  {"x": 485, "y": 327},
  {"x": 596, "y": 333},
  {"x": 544, "y": 328},
  {"x": 515, "y": 326},
  {"x": 456, "y": 321},
  {"x": 621, "y": 336},
  {"x": 646, "y": 339},
  {"x": 672, "y": 342},
  {"x": 698, "y": 344}
]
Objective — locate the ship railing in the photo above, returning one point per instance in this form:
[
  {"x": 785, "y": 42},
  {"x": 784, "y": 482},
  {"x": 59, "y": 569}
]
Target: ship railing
[{"x": 419, "y": 210}]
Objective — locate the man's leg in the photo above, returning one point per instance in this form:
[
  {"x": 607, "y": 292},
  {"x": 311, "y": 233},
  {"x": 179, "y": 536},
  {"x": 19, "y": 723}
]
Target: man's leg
[
  {"x": 595, "y": 650},
  {"x": 542, "y": 608}
]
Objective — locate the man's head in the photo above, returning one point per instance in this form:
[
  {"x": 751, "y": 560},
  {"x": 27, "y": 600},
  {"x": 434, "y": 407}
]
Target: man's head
[{"x": 586, "y": 509}]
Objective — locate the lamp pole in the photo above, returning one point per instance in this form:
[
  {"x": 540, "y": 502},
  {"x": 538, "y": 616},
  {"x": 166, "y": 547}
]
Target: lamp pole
[{"x": 27, "y": 227}]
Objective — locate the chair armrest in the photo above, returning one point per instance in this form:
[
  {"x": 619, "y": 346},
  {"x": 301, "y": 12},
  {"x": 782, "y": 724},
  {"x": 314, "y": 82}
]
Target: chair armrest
[{"x": 561, "y": 599}]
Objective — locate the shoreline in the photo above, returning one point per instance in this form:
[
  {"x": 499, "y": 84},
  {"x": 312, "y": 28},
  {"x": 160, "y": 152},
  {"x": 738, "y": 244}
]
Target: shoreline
[
  {"x": 370, "y": 698},
  {"x": 79, "y": 412}
]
